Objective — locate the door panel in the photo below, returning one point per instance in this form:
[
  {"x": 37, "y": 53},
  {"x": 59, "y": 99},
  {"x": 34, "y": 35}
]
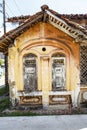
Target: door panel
[
  {"x": 58, "y": 73},
  {"x": 30, "y": 72}
]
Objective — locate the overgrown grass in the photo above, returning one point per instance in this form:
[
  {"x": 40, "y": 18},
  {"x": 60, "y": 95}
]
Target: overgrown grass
[
  {"x": 4, "y": 101},
  {"x": 3, "y": 91},
  {"x": 18, "y": 113},
  {"x": 4, "y": 104}
]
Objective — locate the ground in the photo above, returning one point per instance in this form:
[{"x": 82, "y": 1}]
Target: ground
[{"x": 63, "y": 122}]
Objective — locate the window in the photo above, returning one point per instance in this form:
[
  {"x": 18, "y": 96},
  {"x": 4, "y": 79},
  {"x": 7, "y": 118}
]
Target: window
[
  {"x": 58, "y": 72},
  {"x": 30, "y": 72},
  {"x": 83, "y": 65}
]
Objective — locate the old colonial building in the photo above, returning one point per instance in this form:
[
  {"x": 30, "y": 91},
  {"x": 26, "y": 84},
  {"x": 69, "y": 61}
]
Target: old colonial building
[{"x": 47, "y": 60}]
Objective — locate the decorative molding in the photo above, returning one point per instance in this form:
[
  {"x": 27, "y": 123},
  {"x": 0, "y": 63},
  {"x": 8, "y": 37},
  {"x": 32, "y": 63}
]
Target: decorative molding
[
  {"x": 59, "y": 99},
  {"x": 83, "y": 96},
  {"x": 27, "y": 93},
  {"x": 32, "y": 100},
  {"x": 63, "y": 26}
]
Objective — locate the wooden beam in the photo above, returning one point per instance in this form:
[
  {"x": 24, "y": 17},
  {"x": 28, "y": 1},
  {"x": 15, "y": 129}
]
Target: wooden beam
[
  {"x": 3, "y": 43},
  {"x": 2, "y": 50},
  {"x": 1, "y": 47}
]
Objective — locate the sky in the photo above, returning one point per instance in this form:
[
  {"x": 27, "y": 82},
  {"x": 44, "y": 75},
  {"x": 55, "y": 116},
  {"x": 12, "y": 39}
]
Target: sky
[{"x": 29, "y": 7}]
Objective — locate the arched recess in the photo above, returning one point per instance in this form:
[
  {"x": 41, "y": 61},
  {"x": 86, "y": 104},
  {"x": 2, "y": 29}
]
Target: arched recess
[
  {"x": 59, "y": 48},
  {"x": 46, "y": 42}
]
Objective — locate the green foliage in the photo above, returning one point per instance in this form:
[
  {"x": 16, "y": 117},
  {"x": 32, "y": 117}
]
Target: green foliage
[
  {"x": 3, "y": 91},
  {"x": 4, "y": 103},
  {"x": 1, "y": 62},
  {"x": 21, "y": 113}
]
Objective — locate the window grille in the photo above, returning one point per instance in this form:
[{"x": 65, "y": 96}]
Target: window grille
[{"x": 83, "y": 65}]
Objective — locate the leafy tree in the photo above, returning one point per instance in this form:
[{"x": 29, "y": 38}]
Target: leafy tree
[{"x": 1, "y": 62}]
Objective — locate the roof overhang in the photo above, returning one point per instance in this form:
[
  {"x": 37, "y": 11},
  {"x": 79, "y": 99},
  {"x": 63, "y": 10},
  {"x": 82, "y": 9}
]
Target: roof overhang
[{"x": 73, "y": 29}]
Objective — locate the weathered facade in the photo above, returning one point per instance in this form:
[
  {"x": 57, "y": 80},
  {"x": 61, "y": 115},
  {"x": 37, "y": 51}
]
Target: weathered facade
[{"x": 47, "y": 59}]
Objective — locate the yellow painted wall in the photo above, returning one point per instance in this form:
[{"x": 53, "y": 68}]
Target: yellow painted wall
[{"x": 32, "y": 41}]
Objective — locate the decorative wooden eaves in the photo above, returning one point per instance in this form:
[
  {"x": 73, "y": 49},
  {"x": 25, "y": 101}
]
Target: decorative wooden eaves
[
  {"x": 7, "y": 39},
  {"x": 73, "y": 29},
  {"x": 61, "y": 25}
]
